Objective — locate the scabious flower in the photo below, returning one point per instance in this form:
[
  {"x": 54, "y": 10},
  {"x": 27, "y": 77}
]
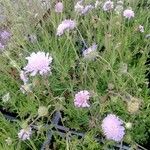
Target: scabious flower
[
  {"x": 23, "y": 76},
  {"x": 82, "y": 98},
  {"x": 59, "y": 7},
  {"x": 90, "y": 53},
  {"x": 141, "y": 28},
  {"x": 5, "y": 35},
  {"x": 128, "y": 13},
  {"x": 25, "y": 134},
  {"x": 108, "y": 5},
  {"x": 112, "y": 128},
  {"x": 65, "y": 25},
  {"x": 38, "y": 63}
]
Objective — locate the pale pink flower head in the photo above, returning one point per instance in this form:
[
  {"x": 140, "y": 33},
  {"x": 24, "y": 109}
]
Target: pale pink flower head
[
  {"x": 67, "y": 24},
  {"x": 25, "y": 134},
  {"x": 112, "y": 128},
  {"x": 82, "y": 98},
  {"x": 59, "y": 7},
  {"x": 128, "y": 13},
  {"x": 108, "y": 5},
  {"x": 38, "y": 63},
  {"x": 23, "y": 76},
  {"x": 5, "y": 35}
]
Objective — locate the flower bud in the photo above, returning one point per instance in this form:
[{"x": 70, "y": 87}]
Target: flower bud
[
  {"x": 42, "y": 111},
  {"x": 128, "y": 125},
  {"x": 133, "y": 105}
]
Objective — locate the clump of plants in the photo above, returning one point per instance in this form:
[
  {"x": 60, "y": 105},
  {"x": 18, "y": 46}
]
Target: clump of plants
[{"x": 87, "y": 60}]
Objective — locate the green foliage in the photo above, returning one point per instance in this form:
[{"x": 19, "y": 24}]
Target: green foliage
[{"x": 119, "y": 44}]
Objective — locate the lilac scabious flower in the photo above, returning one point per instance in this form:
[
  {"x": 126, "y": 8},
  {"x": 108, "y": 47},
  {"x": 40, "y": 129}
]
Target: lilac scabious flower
[
  {"x": 112, "y": 128},
  {"x": 82, "y": 98},
  {"x": 38, "y": 63},
  {"x": 65, "y": 25},
  {"x": 23, "y": 76},
  {"x": 128, "y": 13},
  {"x": 108, "y": 5},
  {"x": 90, "y": 53},
  {"x": 25, "y": 134},
  {"x": 59, "y": 7},
  {"x": 5, "y": 35}
]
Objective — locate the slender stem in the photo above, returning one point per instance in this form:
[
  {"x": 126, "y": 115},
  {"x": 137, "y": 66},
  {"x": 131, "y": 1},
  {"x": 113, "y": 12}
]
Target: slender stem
[
  {"x": 82, "y": 38},
  {"x": 141, "y": 146},
  {"x": 34, "y": 120}
]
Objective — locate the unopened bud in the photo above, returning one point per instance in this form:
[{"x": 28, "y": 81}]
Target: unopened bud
[{"x": 42, "y": 111}]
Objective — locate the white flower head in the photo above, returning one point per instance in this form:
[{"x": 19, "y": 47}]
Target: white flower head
[{"x": 141, "y": 28}]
